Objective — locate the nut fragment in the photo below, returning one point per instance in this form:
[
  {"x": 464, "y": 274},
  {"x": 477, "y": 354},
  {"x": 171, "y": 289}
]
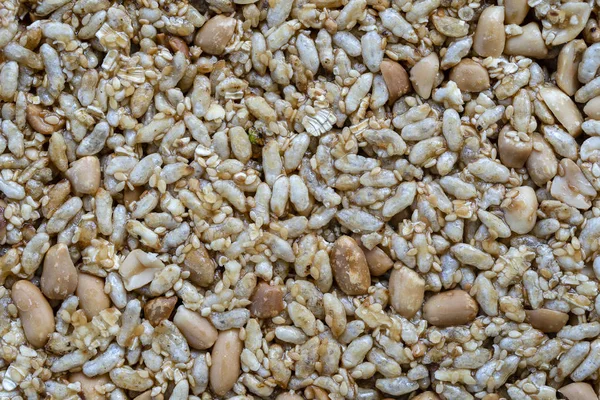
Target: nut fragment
[
  {"x": 159, "y": 308},
  {"x": 513, "y": 150},
  {"x": 567, "y": 66},
  {"x": 563, "y": 108},
  {"x": 528, "y": 44},
  {"x": 548, "y": 321},
  {"x": 200, "y": 266},
  {"x": 92, "y": 299},
  {"x": 470, "y": 76},
  {"x": 407, "y": 290},
  {"x": 423, "y": 75},
  {"x": 396, "y": 79},
  {"x": 578, "y": 391},
  {"x": 450, "y": 308},
  {"x": 91, "y": 388},
  {"x": 542, "y": 164},
  {"x": 84, "y": 175},
  {"x": 267, "y": 301},
  {"x": 59, "y": 276},
  {"x": 36, "y": 314},
  {"x": 489, "y": 37},
  {"x": 378, "y": 261},
  {"x": 520, "y": 209},
  {"x": 139, "y": 269},
  {"x": 215, "y": 34},
  {"x": 350, "y": 268},
  {"x": 571, "y": 186},
  {"x": 515, "y": 11}
]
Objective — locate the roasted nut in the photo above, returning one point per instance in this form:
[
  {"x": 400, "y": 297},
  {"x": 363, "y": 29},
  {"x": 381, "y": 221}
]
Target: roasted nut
[
  {"x": 267, "y": 301},
  {"x": 396, "y": 79},
  {"x": 36, "y": 314},
  {"x": 470, "y": 76},
  {"x": 59, "y": 276},
  {"x": 542, "y": 164},
  {"x": 201, "y": 266},
  {"x": 423, "y": 75},
  {"x": 489, "y": 37},
  {"x": 427, "y": 396},
  {"x": 214, "y": 35},
  {"x": 139, "y": 268},
  {"x": 563, "y": 108},
  {"x": 578, "y": 391},
  {"x": 548, "y": 321},
  {"x": 92, "y": 299},
  {"x": 198, "y": 331},
  {"x": 378, "y": 261},
  {"x": 451, "y": 308},
  {"x": 567, "y": 66},
  {"x": 159, "y": 308},
  {"x": 90, "y": 386},
  {"x": 350, "y": 268},
  {"x": 225, "y": 355},
  {"x": 514, "y": 150},
  {"x": 84, "y": 175},
  {"x": 571, "y": 186},
  {"x": 407, "y": 290},
  {"x": 528, "y": 44},
  {"x": 515, "y": 11},
  {"x": 178, "y": 44}
]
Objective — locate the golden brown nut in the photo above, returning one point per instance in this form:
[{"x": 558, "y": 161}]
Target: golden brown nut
[
  {"x": 92, "y": 299},
  {"x": 489, "y": 37},
  {"x": 225, "y": 356},
  {"x": 59, "y": 275},
  {"x": 215, "y": 34},
  {"x": 396, "y": 79},
  {"x": 200, "y": 265},
  {"x": 90, "y": 386},
  {"x": 451, "y": 308},
  {"x": 514, "y": 149},
  {"x": 547, "y": 321},
  {"x": 198, "y": 331},
  {"x": 267, "y": 301},
  {"x": 470, "y": 76},
  {"x": 35, "y": 312},
  {"x": 349, "y": 266},
  {"x": 159, "y": 309},
  {"x": 407, "y": 290}
]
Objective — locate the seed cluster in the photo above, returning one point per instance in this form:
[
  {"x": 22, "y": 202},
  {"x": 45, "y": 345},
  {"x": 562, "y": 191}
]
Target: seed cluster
[{"x": 320, "y": 199}]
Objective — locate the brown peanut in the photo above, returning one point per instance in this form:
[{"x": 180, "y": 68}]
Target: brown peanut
[
  {"x": 35, "y": 312},
  {"x": 451, "y": 308},
  {"x": 225, "y": 368},
  {"x": 92, "y": 299},
  {"x": 59, "y": 276}
]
